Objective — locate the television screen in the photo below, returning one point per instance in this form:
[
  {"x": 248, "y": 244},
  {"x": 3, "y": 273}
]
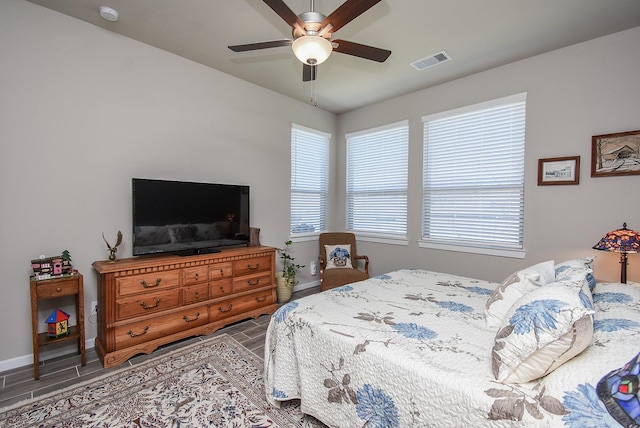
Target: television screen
[{"x": 188, "y": 218}]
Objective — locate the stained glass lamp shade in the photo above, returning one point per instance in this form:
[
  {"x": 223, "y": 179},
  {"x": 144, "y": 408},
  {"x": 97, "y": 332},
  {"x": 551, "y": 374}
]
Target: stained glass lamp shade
[{"x": 621, "y": 241}]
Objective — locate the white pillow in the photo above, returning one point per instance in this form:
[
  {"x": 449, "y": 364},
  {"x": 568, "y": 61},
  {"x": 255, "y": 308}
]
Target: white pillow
[
  {"x": 515, "y": 286},
  {"x": 338, "y": 256},
  {"x": 582, "y": 265},
  {"x": 543, "y": 330}
]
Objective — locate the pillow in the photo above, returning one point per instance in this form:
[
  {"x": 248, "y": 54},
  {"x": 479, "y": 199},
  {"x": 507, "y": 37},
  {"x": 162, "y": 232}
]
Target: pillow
[
  {"x": 515, "y": 286},
  {"x": 152, "y": 235},
  {"x": 543, "y": 330},
  {"x": 582, "y": 265},
  {"x": 181, "y": 233},
  {"x": 338, "y": 256},
  {"x": 206, "y": 232}
]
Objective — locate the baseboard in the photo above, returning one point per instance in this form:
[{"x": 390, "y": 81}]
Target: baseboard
[
  {"x": 27, "y": 360},
  {"x": 301, "y": 287}
]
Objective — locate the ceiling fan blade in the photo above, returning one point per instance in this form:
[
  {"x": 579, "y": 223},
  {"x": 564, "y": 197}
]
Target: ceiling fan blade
[
  {"x": 261, "y": 45},
  {"x": 284, "y": 12},
  {"x": 362, "y": 51},
  {"x": 309, "y": 72},
  {"x": 347, "y": 12}
]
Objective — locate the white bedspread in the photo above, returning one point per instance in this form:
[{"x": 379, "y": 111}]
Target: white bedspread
[{"x": 411, "y": 348}]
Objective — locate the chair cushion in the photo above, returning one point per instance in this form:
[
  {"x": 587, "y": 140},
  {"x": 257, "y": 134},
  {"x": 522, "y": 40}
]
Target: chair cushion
[{"x": 338, "y": 256}]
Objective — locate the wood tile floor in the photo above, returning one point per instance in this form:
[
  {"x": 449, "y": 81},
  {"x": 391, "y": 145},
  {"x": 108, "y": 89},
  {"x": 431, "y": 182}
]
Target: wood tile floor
[{"x": 18, "y": 384}]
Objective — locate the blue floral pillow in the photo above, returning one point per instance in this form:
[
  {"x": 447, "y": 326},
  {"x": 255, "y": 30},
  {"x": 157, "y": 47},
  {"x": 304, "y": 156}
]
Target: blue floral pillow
[
  {"x": 338, "y": 256},
  {"x": 541, "y": 331},
  {"x": 582, "y": 265}
]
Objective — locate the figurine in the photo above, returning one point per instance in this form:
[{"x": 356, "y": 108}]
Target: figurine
[{"x": 113, "y": 250}]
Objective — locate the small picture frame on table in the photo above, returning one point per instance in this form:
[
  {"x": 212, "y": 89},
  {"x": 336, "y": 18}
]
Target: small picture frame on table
[
  {"x": 615, "y": 154},
  {"x": 556, "y": 171}
]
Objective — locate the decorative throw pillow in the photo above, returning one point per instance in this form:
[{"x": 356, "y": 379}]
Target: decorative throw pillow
[
  {"x": 152, "y": 235},
  {"x": 543, "y": 330},
  {"x": 515, "y": 286},
  {"x": 181, "y": 232},
  {"x": 338, "y": 256},
  {"x": 582, "y": 265}
]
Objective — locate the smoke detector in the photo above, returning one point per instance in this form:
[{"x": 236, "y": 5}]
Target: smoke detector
[{"x": 109, "y": 14}]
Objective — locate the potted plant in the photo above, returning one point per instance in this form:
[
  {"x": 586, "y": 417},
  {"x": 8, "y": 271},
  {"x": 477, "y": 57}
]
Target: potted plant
[{"x": 286, "y": 279}]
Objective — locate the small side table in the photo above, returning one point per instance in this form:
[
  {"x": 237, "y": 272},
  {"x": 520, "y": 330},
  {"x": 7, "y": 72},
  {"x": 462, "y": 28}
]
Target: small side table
[{"x": 42, "y": 289}]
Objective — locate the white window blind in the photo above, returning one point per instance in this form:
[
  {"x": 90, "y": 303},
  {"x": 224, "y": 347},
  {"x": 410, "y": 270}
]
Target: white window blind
[
  {"x": 377, "y": 180},
  {"x": 473, "y": 182},
  {"x": 309, "y": 180}
]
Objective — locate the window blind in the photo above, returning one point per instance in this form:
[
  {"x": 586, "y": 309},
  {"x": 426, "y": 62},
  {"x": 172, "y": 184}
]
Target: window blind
[
  {"x": 309, "y": 180},
  {"x": 473, "y": 175},
  {"x": 377, "y": 180}
]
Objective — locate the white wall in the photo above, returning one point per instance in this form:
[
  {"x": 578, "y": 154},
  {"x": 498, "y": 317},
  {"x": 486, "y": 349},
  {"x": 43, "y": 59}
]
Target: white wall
[
  {"x": 573, "y": 93},
  {"x": 83, "y": 110}
]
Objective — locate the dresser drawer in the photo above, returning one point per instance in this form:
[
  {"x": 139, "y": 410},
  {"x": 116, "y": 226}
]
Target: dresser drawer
[
  {"x": 163, "y": 325},
  {"x": 146, "y": 282},
  {"x": 194, "y": 275},
  {"x": 54, "y": 289},
  {"x": 252, "y": 282},
  {"x": 238, "y": 305},
  {"x": 195, "y": 293},
  {"x": 220, "y": 271},
  {"x": 251, "y": 265},
  {"x": 147, "y": 303},
  {"x": 220, "y": 288}
]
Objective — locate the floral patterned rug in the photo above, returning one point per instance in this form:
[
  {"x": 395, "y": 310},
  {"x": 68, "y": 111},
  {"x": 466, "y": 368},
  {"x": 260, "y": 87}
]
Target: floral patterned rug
[{"x": 213, "y": 383}]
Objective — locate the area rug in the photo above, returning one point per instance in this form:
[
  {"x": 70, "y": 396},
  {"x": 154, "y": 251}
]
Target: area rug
[{"x": 213, "y": 383}]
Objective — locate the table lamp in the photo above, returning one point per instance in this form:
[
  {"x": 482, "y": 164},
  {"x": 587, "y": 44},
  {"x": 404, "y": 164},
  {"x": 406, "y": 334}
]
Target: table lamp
[{"x": 621, "y": 241}]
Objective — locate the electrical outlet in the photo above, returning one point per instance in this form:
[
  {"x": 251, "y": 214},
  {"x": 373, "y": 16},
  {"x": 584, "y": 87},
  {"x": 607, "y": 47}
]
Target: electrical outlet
[
  {"x": 313, "y": 267},
  {"x": 94, "y": 307}
]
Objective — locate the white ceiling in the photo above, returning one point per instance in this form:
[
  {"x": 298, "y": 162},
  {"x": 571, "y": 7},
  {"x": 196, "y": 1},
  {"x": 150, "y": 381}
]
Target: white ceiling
[{"x": 478, "y": 34}]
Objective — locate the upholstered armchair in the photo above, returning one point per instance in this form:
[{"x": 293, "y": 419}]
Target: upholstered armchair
[{"x": 339, "y": 260}]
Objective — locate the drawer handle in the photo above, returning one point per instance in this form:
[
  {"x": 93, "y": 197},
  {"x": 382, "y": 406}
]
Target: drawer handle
[
  {"x": 222, "y": 288},
  {"x": 197, "y": 295},
  {"x": 252, "y": 282},
  {"x": 225, "y": 310},
  {"x": 144, "y": 305},
  {"x": 145, "y": 285},
  {"x": 193, "y": 319},
  {"x": 261, "y": 300},
  {"x": 144, "y": 331},
  {"x": 58, "y": 289},
  {"x": 257, "y": 266},
  {"x": 196, "y": 276}
]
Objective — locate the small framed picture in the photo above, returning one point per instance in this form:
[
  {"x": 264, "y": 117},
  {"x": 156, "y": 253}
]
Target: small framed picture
[
  {"x": 554, "y": 171},
  {"x": 615, "y": 154}
]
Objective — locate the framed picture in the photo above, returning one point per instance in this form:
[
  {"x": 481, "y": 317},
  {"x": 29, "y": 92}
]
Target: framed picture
[
  {"x": 554, "y": 171},
  {"x": 615, "y": 154}
]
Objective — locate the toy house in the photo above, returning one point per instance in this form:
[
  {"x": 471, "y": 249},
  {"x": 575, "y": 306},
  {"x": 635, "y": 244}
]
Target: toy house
[{"x": 57, "y": 324}]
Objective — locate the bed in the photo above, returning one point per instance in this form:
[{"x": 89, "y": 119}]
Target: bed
[{"x": 425, "y": 349}]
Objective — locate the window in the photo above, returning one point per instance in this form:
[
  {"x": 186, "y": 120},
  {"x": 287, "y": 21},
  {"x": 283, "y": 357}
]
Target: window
[
  {"x": 473, "y": 178},
  {"x": 377, "y": 181},
  {"x": 309, "y": 180}
]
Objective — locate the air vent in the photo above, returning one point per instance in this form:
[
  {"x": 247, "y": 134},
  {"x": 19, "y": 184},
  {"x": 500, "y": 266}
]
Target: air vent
[{"x": 431, "y": 60}]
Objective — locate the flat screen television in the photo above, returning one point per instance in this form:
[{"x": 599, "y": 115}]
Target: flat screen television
[{"x": 187, "y": 218}]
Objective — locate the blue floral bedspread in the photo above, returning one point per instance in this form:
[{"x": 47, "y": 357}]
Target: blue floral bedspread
[{"x": 411, "y": 348}]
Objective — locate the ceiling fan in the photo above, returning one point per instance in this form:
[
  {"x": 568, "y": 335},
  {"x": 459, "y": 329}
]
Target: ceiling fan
[{"x": 312, "y": 33}]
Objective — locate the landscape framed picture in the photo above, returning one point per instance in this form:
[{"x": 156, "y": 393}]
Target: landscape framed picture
[
  {"x": 554, "y": 171},
  {"x": 615, "y": 154}
]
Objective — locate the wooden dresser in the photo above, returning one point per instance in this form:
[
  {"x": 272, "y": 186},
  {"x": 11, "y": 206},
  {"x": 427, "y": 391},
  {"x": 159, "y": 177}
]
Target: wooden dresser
[{"x": 145, "y": 302}]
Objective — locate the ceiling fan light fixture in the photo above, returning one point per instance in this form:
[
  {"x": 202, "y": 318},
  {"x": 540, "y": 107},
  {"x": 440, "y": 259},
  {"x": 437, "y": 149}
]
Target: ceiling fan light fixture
[{"x": 312, "y": 50}]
